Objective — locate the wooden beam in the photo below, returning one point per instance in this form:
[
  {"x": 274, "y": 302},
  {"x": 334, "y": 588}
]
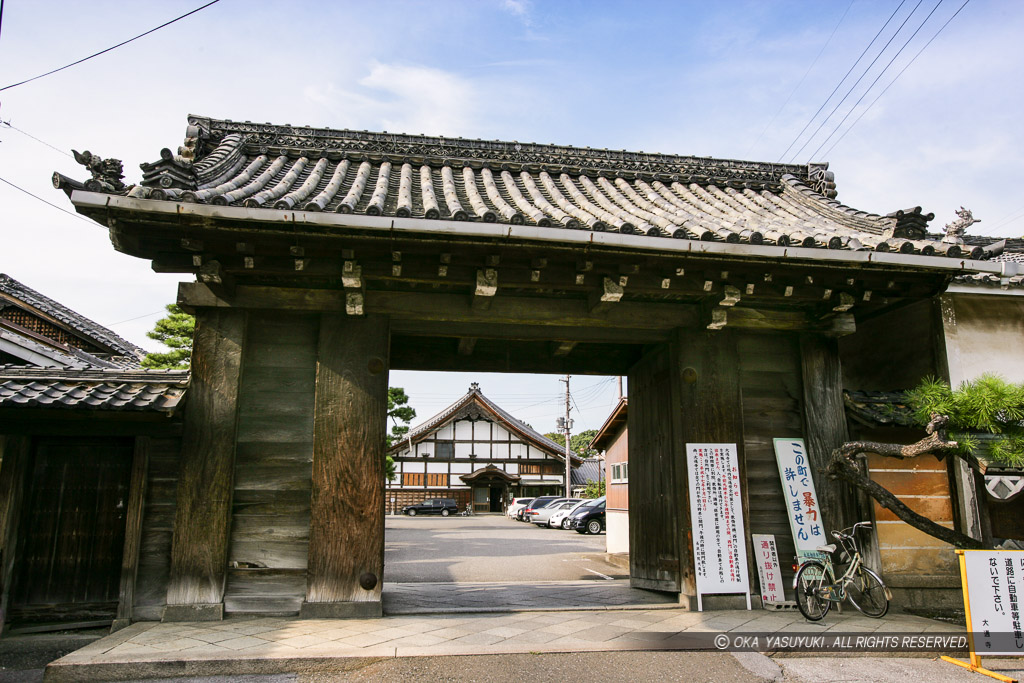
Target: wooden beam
[
  {"x": 132, "y": 533},
  {"x": 562, "y": 348},
  {"x": 486, "y": 288},
  {"x": 825, "y": 426},
  {"x": 466, "y": 345},
  {"x": 202, "y": 519},
  {"x": 346, "y": 535},
  {"x": 609, "y": 293},
  {"x": 213, "y": 275},
  {"x": 14, "y": 462}
]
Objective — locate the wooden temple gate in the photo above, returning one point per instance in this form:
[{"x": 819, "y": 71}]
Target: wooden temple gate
[{"x": 727, "y": 335}]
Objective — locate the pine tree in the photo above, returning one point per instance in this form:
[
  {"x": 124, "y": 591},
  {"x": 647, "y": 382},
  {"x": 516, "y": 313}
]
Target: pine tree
[
  {"x": 175, "y": 332},
  {"x": 399, "y": 411}
]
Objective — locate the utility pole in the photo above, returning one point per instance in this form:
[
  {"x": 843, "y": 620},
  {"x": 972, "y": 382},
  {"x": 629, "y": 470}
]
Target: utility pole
[{"x": 566, "y": 424}]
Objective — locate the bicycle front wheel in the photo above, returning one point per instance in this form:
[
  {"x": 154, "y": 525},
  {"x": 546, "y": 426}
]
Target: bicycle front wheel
[
  {"x": 811, "y": 581},
  {"x": 869, "y": 594}
]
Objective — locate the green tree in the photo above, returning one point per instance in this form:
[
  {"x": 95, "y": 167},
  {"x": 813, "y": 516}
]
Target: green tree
[
  {"x": 175, "y": 332},
  {"x": 579, "y": 444},
  {"x": 987, "y": 416},
  {"x": 595, "y": 489},
  {"x": 400, "y": 413}
]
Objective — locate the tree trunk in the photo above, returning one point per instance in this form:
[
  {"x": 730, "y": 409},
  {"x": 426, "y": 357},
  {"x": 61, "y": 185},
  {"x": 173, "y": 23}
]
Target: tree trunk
[{"x": 844, "y": 467}]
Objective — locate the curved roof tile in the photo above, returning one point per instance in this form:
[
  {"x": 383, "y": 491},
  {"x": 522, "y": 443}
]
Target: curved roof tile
[{"x": 660, "y": 195}]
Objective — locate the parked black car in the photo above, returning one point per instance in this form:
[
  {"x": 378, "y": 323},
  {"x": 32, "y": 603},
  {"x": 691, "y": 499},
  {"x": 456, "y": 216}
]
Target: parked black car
[
  {"x": 432, "y": 506},
  {"x": 589, "y": 517}
]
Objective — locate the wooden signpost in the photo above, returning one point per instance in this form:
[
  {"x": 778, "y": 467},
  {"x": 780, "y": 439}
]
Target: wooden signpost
[
  {"x": 993, "y": 585},
  {"x": 716, "y": 515}
]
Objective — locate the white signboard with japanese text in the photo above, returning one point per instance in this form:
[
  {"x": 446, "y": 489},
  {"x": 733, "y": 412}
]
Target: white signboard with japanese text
[
  {"x": 768, "y": 570},
  {"x": 716, "y": 518},
  {"x": 995, "y": 600},
  {"x": 801, "y": 499}
]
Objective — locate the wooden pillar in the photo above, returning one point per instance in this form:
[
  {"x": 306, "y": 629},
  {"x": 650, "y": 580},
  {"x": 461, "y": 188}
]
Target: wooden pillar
[
  {"x": 132, "y": 533},
  {"x": 14, "y": 451},
  {"x": 202, "y": 521},
  {"x": 346, "y": 535},
  {"x": 825, "y": 426},
  {"x": 686, "y": 391}
]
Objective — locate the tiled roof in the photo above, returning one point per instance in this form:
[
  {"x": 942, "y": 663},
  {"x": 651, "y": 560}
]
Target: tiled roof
[
  {"x": 589, "y": 470},
  {"x": 120, "y": 390},
  {"x": 474, "y": 395},
  {"x": 127, "y": 355},
  {"x": 314, "y": 170},
  {"x": 1013, "y": 253}
]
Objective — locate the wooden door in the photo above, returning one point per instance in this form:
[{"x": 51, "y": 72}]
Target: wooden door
[{"x": 71, "y": 533}]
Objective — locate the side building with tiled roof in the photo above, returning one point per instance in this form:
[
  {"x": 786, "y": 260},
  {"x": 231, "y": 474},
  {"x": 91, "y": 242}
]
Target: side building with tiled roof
[{"x": 477, "y": 453}]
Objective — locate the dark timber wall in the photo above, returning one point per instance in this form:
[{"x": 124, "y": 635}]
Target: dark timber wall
[
  {"x": 771, "y": 391},
  {"x": 273, "y": 460},
  {"x": 157, "y": 529}
]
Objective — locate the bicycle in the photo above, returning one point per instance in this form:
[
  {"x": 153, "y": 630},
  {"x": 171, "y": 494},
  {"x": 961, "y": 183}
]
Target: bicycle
[{"x": 817, "y": 587}]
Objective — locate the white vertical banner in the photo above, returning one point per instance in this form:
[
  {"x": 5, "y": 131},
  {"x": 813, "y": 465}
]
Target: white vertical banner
[
  {"x": 995, "y": 600},
  {"x": 768, "y": 570},
  {"x": 801, "y": 499},
  {"x": 716, "y": 519}
]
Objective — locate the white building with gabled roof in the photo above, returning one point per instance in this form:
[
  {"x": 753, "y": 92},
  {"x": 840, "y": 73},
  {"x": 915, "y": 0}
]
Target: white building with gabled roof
[{"x": 477, "y": 453}]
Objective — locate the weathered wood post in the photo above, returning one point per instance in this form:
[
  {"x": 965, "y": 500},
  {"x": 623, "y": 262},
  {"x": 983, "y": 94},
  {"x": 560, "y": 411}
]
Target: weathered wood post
[
  {"x": 686, "y": 391},
  {"x": 202, "y": 521},
  {"x": 346, "y": 535},
  {"x": 825, "y": 426},
  {"x": 14, "y": 461}
]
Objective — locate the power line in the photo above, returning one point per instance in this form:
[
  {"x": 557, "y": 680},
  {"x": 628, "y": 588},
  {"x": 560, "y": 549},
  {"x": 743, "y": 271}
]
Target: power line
[
  {"x": 880, "y": 74},
  {"x": 44, "y": 142},
  {"x": 859, "y": 78},
  {"x": 34, "y": 196},
  {"x": 868, "y": 108},
  {"x": 84, "y": 59},
  {"x": 138, "y": 317},
  {"x": 806, "y": 73},
  {"x": 841, "y": 81}
]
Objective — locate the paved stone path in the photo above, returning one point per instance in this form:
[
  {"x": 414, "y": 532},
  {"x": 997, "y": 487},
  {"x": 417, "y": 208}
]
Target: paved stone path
[
  {"x": 274, "y": 645},
  {"x": 430, "y": 598}
]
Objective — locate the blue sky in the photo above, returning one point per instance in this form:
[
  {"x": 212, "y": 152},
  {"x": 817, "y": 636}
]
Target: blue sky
[{"x": 723, "y": 79}]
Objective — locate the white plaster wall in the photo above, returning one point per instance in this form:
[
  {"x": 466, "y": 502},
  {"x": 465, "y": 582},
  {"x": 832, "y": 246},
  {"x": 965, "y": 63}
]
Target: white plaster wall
[
  {"x": 518, "y": 450},
  {"x": 499, "y": 433},
  {"x": 437, "y": 467},
  {"x": 462, "y": 450},
  {"x": 412, "y": 466},
  {"x": 617, "y": 531},
  {"x": 461, "y": 468},
  {"x": 512, "y": 467},
  {"x": 444, "y": 433},
  {"x": 984, "y": 333},
  {"x": 463, "y": 429},
  {"x": 499, "y": 451}
]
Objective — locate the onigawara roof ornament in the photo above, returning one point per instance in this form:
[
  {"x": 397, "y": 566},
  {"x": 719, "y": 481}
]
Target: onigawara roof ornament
[
  {"x": 955, "y": 230},
  {"x": 106, "y": 173}
]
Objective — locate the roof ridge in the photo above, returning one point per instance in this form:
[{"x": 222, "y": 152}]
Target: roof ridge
[
  {"x": 75, "y": 320},
  {"x": 317, "y": 139}
]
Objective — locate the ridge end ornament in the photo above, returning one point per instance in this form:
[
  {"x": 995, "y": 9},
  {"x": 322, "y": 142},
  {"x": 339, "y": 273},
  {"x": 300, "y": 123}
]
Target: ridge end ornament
[{"x": 107, "y": 174}]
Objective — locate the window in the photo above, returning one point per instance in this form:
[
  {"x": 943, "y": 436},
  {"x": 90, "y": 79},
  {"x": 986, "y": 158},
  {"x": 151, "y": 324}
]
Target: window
[
  {"x": 412, "y": 479},
  {"x": 620, "y": 473},
  {"x": 437, "y": 480},
  {"x": 529, "y": 469},
  {"x": 444, "y": 450}
]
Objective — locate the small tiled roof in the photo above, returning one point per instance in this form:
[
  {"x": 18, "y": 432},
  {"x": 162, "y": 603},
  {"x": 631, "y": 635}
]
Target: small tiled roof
[
  {"x": 263, "y": 166},
  {"x": 1013, "y": 253},
  {"x": 120, "y": 390},
  {"x": 588, "y": 470},
  {"x": 474, "y": 395},
  {"x": 127, "y": 355}
]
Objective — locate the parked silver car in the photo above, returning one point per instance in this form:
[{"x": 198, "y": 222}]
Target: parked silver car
[
  {"x": 544, "y": 514},
  {"x": 561, "y": 516}
]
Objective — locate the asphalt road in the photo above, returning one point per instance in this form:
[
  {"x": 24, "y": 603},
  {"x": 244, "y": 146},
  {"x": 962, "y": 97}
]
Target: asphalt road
[{"x": 489, "y": 548}]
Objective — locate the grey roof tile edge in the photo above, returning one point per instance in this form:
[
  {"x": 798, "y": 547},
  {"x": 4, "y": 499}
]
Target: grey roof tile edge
[
  {"x": 139, "y": 391},
  {"x": 78, "y": 322}
]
